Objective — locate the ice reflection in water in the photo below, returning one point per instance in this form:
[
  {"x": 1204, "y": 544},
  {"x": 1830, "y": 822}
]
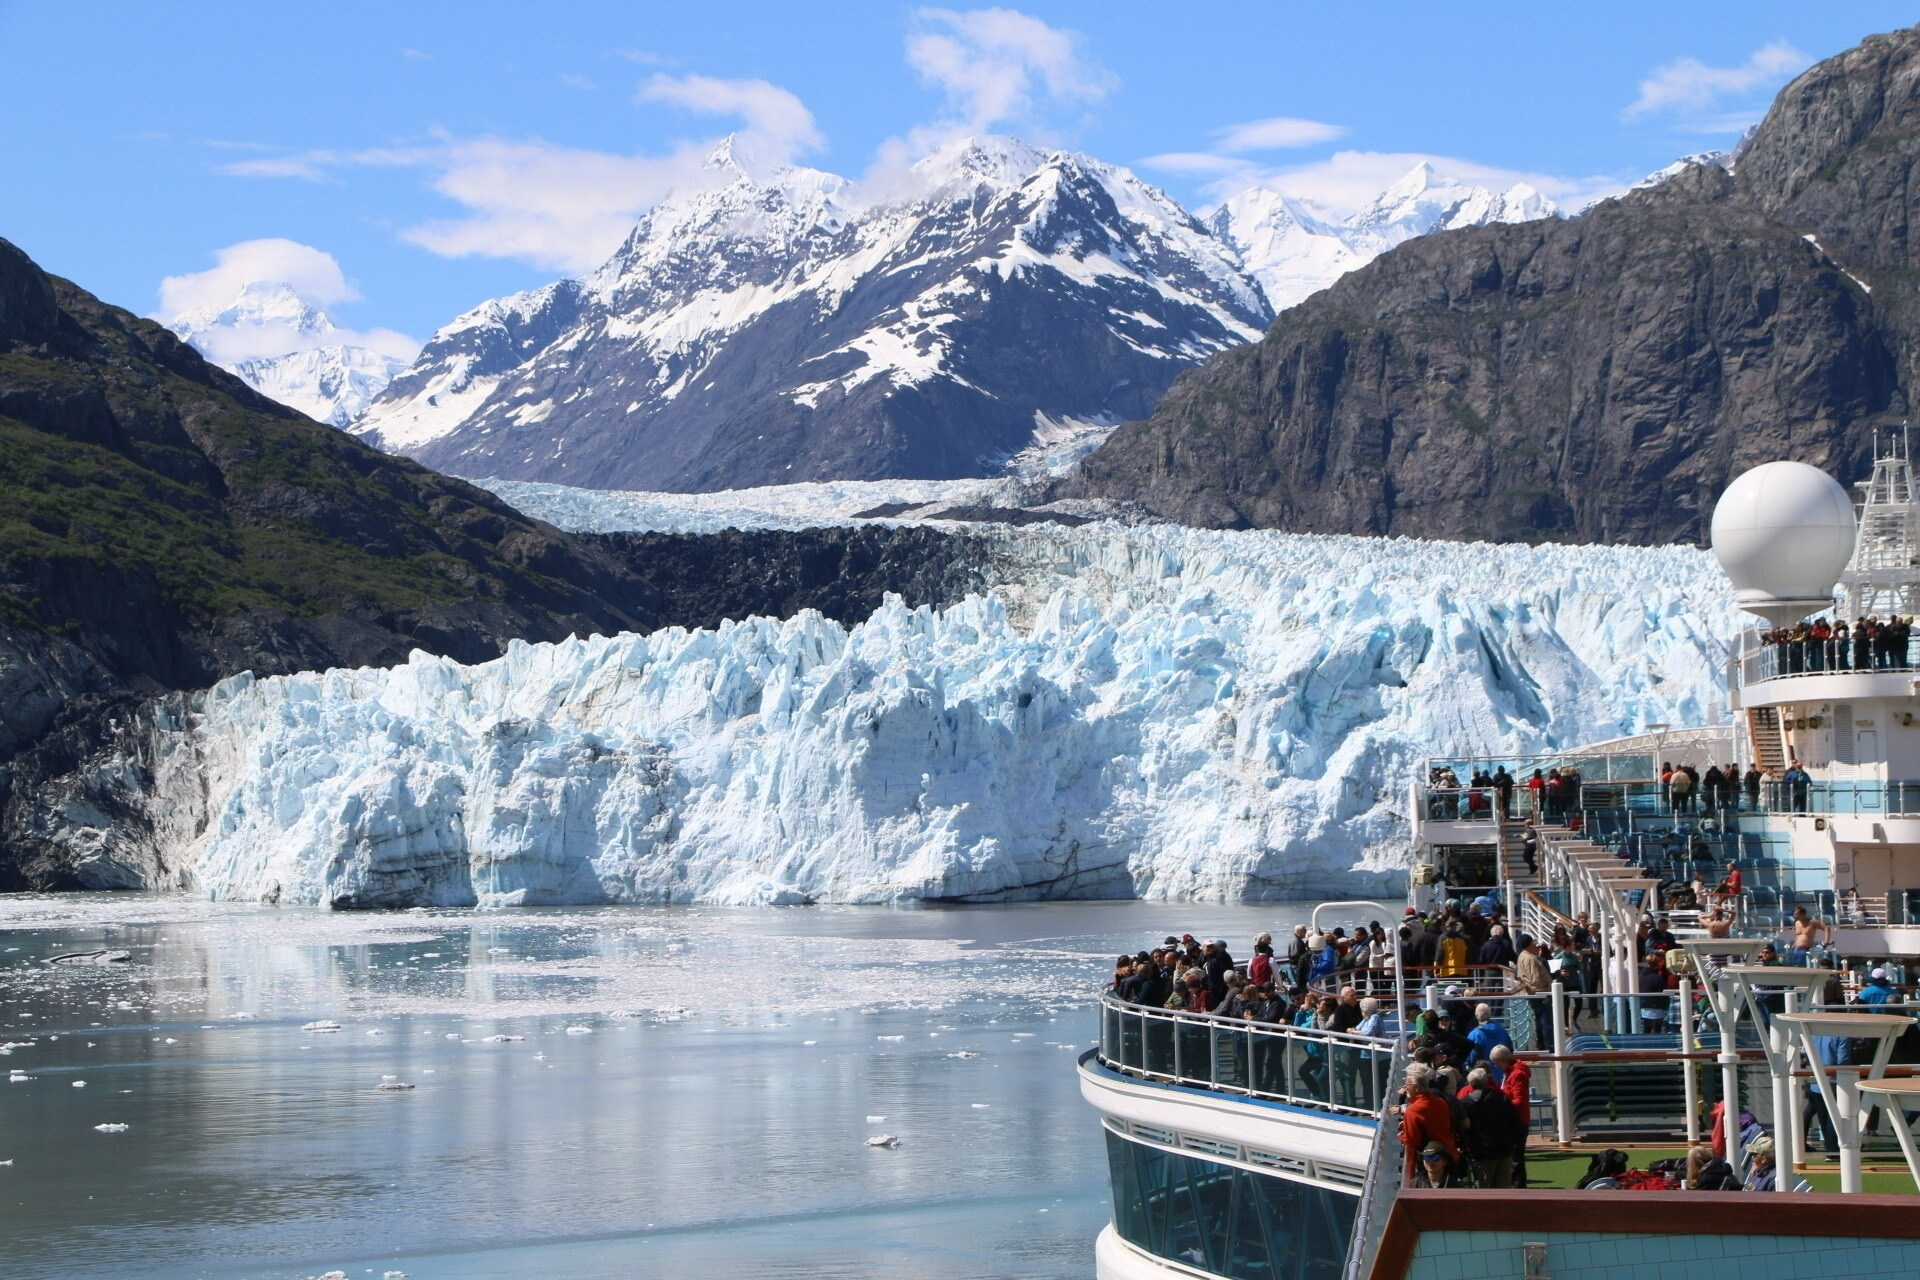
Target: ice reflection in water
[{"x": 695, "y": 1131}]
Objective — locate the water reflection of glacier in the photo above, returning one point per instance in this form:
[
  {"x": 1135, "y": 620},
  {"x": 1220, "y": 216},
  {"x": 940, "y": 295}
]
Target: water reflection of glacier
[
  {"x": 712, "y": 1122},
  {"x": 1145, "y": 711}
]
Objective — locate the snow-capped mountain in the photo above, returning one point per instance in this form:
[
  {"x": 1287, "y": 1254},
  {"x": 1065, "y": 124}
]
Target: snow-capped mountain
[
  {"x": 309, "y": 368},
  {"x": 1724, "y": 159},
  {"x": 1148, "y": 711},
  {"x": 776, "y": 326},
  {"x": 1294, "y": 248}
]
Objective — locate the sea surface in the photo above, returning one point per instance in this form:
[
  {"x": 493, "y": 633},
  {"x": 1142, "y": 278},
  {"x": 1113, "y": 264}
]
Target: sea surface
[{"x": 597, "y": 1092}]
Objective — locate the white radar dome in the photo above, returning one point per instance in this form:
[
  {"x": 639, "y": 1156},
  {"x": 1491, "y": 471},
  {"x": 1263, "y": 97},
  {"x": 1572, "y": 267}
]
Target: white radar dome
[{"x": 1783, "y": 533}]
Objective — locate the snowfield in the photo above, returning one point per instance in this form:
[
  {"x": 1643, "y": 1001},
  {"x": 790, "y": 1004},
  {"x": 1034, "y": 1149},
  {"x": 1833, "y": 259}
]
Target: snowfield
[{"x": 1147, "y": 710}]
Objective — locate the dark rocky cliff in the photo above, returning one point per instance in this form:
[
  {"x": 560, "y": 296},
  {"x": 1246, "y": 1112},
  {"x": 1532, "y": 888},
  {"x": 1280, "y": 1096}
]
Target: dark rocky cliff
[{"x": 1597, "y": 379}]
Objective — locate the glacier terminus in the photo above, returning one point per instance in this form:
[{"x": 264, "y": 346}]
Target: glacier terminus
[{"x": 1128, "y": 711}]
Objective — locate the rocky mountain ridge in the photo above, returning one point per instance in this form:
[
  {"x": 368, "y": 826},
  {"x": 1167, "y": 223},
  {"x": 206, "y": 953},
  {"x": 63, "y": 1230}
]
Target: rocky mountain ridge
[
  {"x": 1593, "y": 379},
  {"x": 773, "y": 326}
]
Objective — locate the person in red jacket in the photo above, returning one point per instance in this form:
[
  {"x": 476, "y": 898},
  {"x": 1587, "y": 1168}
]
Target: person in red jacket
[
  {"x": 1516, "y": 1081},
  {"x": 1425, "y": 1117}
]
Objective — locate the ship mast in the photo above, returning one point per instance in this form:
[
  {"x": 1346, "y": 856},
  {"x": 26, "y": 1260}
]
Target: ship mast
[{"x": 1883, "y": 577}]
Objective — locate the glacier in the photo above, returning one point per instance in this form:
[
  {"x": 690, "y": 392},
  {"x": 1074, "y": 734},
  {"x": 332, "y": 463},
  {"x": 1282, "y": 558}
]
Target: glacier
[{"x": 1140, "y": 710}]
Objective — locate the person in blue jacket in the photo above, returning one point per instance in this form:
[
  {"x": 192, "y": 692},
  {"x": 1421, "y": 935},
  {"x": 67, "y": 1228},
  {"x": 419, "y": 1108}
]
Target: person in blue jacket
[{"x": 1487, "y": 1035}]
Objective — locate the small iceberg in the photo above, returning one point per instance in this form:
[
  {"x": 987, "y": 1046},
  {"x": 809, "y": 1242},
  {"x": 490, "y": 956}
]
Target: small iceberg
[
  {"x": 883, "y": 1140},
  {"x": 579, "y": 1031},
  {"x": 322, "y": 1026},
  {"x": 109, "y": 1128},
  {"x": 964, "y": 1053},
  {"x": 393, "y": 1086}
]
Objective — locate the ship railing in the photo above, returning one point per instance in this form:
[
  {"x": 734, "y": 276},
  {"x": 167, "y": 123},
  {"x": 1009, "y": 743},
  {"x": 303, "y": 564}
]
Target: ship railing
[
  {"x": 1458, "y": 804},
  {"x": 1760, "y": 659},
  {"x": 1477, "y": 981},
  {"x": 1843, "y": 797},
  {"x": 1386, "y": 1171},
  {"x": 1333, "y": 1071}
]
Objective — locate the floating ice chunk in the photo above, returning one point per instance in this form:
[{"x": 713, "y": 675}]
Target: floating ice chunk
[
  {"x": 376, "y": 1032},
  {"x": 504, "y": 1039},
  {"x": 876, "y": 1119},
  {"x": 453, "y": 1035},
  {"x": 18, "y": 1077},
  {"x": 890, "y": 1038},
  {"x": 964, "y": 1053},
  {"x": 981, "y": 1106},
  {"x": 79, "y": 1084},
  {"x": 393, "y": 1086},
  {"x": 579, "y": 1031},
  {"x": 389, "y": 1077},
  {"x": 321, "y": 1027},
  {"x": 170, "y": 1040},
  {"x": 883, "y": 1140},
  {"x": 393, "y": 1275},
  {"x": 7, "y": 1164},
  {"x": 809, "y": 1042},
  {"x": 109, "y": 1128},
  {"x": 243, "y": 1017}
]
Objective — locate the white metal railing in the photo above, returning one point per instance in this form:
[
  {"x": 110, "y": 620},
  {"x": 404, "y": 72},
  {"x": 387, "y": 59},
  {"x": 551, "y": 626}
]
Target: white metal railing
[
  {"x": 1386, "y": 1169},
  {"x": 1327, "y": 1070},
  {"x": 1759, "y": 658}
]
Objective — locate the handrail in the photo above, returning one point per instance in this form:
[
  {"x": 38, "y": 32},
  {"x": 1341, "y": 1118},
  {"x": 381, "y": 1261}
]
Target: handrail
[
  {"x": 1382, "y": 1185},
  {"x": 1369, "y": 981},
  {"x": 1758, "y": 659},
  {"x": 1335, "y": 1071}
]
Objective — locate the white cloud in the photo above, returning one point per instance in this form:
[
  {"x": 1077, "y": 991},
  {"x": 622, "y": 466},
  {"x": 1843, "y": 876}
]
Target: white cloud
[
  {"x": 261, "y": 271},
  {"x": 990, "y": 63},
  {"x": 312, "y": 273},
  {"x": 560, "y": 207},
  {"x": 1688, "y": 87},
  {"x": 775, "y": 119},
  {"x": 552, "y": 206},
  {"x": 1275, "y": 133},
  {"x": 995, "y": 68}
]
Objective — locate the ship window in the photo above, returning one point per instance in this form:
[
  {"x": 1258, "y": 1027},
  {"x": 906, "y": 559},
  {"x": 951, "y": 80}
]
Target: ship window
[{"x": 1226, "y": 1220}]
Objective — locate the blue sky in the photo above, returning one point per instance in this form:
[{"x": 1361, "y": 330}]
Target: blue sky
[{"x": 420, "y": 158}]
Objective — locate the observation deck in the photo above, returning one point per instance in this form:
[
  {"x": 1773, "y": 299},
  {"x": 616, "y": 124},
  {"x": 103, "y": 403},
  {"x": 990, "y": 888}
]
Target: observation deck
[{"x": 1772, "y": 673}]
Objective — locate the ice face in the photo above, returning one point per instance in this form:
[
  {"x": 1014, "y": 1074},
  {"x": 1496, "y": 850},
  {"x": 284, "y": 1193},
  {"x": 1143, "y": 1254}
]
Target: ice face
[{"x": 1148, "y": 711}]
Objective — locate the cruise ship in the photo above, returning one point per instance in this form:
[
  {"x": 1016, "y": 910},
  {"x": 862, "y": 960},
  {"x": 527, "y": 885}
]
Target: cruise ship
[{"x": 1254, "y": 1151}]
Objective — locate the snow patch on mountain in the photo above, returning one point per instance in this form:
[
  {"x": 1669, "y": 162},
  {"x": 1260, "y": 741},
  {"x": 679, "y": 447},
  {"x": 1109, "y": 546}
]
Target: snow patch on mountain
[
  {"x": 289, "y": 350},
  {"x": 1149, "y": 711},
  {"x": 1294, "y": 247},
  {"x": 1721, "y": 159}
]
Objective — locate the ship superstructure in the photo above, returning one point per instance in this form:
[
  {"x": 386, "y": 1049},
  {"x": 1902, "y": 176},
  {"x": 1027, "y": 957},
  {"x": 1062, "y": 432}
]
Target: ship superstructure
[{"x": 1237, "y": 1150}]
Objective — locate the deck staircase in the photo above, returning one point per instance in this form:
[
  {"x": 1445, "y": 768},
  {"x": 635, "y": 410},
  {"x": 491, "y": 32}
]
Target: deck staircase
[{"x": 1763, "y": 731}]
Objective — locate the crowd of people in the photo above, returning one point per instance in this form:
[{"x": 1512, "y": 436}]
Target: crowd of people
[
  {"x": 1463, "y": 1108},
  {"x": 1870, "y": 644}
]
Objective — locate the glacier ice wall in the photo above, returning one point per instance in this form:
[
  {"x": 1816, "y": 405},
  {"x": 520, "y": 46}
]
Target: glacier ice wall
[{"x": 1147, "y": 711}]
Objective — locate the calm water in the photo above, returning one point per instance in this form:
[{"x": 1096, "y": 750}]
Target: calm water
[{"x": 690, "y": 1095}]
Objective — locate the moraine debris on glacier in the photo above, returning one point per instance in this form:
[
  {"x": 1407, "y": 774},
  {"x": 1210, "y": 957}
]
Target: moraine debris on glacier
[{"x": 1149, "y": 711}]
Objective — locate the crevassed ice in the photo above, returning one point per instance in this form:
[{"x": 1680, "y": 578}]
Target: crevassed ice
[{"x": 1147, "y": 711}]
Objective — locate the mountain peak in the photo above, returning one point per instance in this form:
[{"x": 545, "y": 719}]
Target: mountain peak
[{"x": 989, "y": 157}]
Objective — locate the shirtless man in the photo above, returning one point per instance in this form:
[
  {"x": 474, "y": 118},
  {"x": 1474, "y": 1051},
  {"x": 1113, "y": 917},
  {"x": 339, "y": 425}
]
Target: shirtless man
[{"x": 1807, "y": 934}]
